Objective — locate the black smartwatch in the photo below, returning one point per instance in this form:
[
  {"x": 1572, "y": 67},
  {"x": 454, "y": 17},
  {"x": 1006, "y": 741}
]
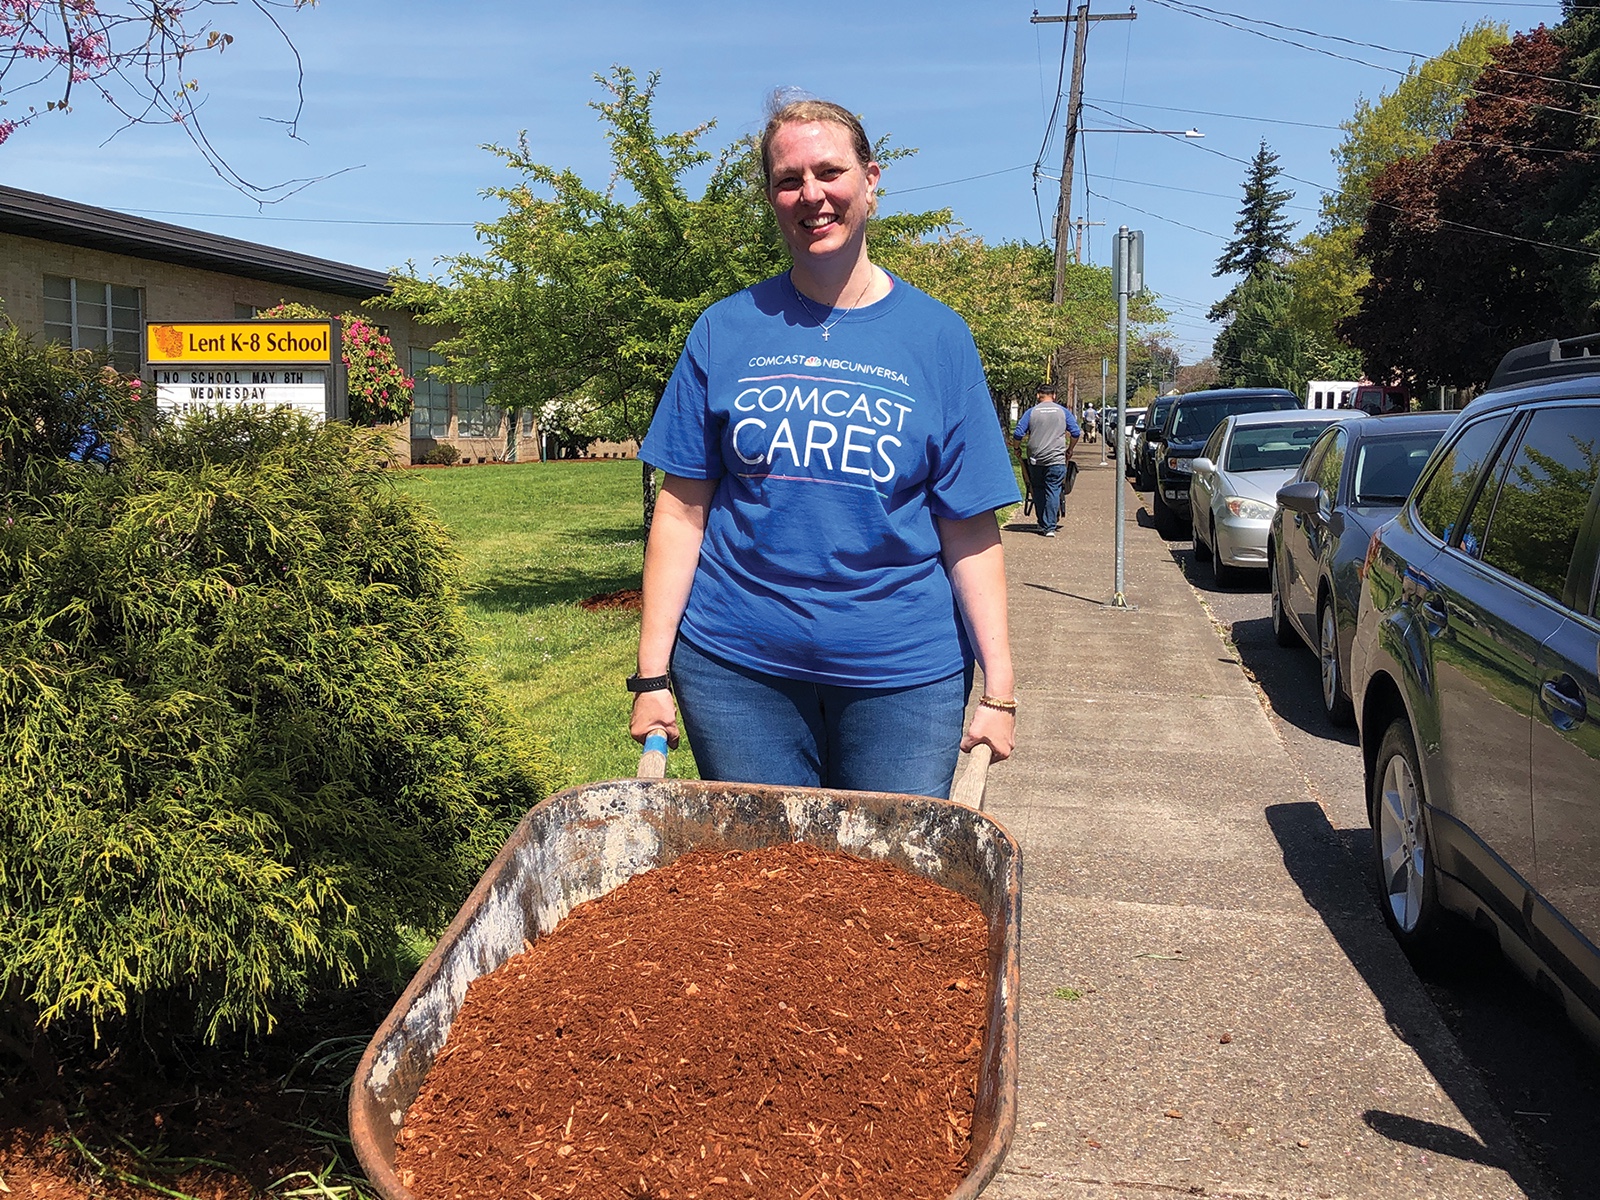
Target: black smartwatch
[{"x": 655, "y": 683}]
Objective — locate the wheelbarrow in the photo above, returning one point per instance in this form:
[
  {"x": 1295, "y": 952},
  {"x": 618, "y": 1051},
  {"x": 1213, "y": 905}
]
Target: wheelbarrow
[{"x": 582, "y": 843}]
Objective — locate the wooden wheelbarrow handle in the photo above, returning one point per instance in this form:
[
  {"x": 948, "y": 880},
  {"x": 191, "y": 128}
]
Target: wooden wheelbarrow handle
[
  {"x": 653, "y": 762},
  {"x": 968, "y": 789}
]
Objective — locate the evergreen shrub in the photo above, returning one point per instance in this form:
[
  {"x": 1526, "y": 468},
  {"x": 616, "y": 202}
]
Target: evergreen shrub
[{"x": 243, "y": 742}]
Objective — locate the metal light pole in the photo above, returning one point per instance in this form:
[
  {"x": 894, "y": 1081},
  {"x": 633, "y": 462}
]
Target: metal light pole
[{"x": 1127, "y": 269}]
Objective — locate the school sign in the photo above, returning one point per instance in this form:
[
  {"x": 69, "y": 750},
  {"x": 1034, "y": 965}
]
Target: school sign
[{"x": 267, "y": 364}]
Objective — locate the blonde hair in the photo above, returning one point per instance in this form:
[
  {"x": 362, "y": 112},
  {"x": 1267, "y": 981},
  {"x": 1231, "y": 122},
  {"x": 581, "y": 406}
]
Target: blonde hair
[{"x": 785, "y": 108}]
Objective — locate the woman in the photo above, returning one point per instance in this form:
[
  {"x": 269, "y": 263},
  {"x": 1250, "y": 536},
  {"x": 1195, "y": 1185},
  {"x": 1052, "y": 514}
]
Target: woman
[{"x": 824, "y": 564}]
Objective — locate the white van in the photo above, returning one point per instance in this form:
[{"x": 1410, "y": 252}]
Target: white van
[{"x": 1331, "y": 393}]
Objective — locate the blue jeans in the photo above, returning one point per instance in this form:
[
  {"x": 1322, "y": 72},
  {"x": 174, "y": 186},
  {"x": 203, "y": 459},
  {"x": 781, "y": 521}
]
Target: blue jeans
[
  {"x": 1046, "y": 483},
  {"x": 750, "y": 727}
]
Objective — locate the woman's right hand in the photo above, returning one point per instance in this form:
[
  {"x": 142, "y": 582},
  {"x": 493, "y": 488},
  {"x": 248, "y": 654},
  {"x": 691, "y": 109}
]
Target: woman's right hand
[{"x": 652, "y": 711}]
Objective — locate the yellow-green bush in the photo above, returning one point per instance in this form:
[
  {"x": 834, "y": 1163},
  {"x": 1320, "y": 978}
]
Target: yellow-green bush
[{"x": 242, "y": 739}]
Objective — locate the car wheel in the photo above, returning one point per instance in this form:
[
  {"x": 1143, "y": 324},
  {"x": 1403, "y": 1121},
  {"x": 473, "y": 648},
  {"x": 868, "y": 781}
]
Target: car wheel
[
  {"x": 1202, "y": 552},
  {"x": 1402, "y": 849},
  {"x": 1282, "y": 631},
  {"x": 1335, "y": 701},
  {"x": 1221, "y": 573},
  {"x": 1166, "y": 519}
]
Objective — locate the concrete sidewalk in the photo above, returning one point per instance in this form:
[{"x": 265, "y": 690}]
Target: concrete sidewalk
[{"x": 1211, "y": 1004}]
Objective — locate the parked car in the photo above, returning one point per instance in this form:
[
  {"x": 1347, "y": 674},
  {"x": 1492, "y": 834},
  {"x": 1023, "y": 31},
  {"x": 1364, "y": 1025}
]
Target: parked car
[
  {"x": 1377, "y": 400},
  {"x": 1354, "y": 479},
  {"x": 1474, "y": 676},
  {"x": 1133, "y": 417},
  {"x": 1143, "y": 464},
  {"x": 1233, "y": 490},
  {"x": 1189, "y": 423}
]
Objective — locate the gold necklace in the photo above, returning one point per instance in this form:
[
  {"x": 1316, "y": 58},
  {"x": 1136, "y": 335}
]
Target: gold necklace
[{"x": 843, "y": 312}]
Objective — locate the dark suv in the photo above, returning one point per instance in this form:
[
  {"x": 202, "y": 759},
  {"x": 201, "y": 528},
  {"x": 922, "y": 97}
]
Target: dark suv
[
  {"x": 1142, "y": 466},
  {"x": 1474, "y": 677},
  {"x": 1189, "y": 423}
]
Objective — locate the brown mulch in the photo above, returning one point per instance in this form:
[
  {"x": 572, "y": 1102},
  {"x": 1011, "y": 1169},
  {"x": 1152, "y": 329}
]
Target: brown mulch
[
  {"x": 629, "y": 598},
  {"x": 783, "y": 1022}
]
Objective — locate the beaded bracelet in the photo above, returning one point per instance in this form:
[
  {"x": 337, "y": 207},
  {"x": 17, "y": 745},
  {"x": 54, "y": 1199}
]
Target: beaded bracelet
[{"x": 995, "y": 702}]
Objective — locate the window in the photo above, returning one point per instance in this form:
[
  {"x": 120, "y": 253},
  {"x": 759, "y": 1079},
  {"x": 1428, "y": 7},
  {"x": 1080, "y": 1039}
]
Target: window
[
  {"x": 1213, "y": 448},
  {"x": 89, "y": 315},
  {"x": 1535, "y": 521},
  {"x": 1329, "y": 470},
  {"x": 1270, "y": 447},
  {"x": 1440, "y": 502},
  {"x": 430, "y": 401},
  {"x": 476, "y": 416},
  {"x": 1386, "y": 468},
  {"x": 434, "y": 400},
  {"x": 244, "y": 312}
]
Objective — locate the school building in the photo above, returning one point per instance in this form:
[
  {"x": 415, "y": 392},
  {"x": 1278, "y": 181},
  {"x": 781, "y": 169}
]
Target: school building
[{"x": 91, "y": 278}]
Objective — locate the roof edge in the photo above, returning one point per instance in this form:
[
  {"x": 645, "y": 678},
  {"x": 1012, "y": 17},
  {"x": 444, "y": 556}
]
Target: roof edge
[{"x": 49, "y": 218}]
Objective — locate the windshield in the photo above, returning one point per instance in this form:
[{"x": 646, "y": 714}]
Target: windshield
[
  {"x": 1272, "y": 447},
  {"x": 1158, "y": 416},
  {"x": 1387, "y": 468},
  {"x": 1194, "y": 422}
]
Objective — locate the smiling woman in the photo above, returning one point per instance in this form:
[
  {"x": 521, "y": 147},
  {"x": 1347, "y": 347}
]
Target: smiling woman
[{"x": 829, "y": 440}]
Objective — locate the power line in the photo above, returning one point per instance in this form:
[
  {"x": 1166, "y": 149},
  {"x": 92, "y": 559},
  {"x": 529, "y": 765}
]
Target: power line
[
  {"x": 1215, "y": 16},
  {"x": 1357, "y": 42},
  {"x": 168, "y": 212},
  {"x": 1200, "y": 112},
  {"x": 922, "y": 187},
  {"x": 1494, "y": 233}
]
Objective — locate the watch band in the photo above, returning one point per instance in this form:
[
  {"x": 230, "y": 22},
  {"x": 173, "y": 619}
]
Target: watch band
[{"x": 655, "y": 683}]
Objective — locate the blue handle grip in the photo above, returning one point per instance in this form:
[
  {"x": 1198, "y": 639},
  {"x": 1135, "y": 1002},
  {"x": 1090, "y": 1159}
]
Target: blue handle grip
[{"x": 656, "y": 742}]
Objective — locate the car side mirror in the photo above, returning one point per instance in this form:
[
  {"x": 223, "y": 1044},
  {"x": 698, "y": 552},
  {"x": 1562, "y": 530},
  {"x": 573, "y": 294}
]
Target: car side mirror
[
  {"x": 1203, "y": 464},
  {"x": 1302, "y": 497}
]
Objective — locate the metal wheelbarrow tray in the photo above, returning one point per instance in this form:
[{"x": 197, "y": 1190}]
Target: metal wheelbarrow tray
[{"x": 584, "y": 842}]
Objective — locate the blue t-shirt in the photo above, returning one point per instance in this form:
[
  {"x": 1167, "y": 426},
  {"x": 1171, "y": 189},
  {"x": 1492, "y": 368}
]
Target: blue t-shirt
[{"x": 832, "y": 458}]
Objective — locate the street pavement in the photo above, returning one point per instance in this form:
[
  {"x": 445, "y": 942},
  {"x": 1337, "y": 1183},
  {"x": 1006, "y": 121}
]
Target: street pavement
[{"x": 1211, "y": 1003}]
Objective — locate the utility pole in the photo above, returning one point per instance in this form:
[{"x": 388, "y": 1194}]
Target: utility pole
[
  {"x": 1070, "y": 141},
  {"x": 1079, "y": 224}
]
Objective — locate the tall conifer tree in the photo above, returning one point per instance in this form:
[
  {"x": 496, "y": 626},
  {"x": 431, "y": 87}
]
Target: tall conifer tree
[{"x": 1261, "y": 234}]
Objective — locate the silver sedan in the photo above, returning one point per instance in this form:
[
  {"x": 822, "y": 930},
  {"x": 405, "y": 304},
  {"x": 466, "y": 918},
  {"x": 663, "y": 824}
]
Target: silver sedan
[{"x": 1236, "y": 480}]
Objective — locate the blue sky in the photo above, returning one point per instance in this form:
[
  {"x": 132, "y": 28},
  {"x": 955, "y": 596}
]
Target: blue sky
[{"x": 400, "y": 96}]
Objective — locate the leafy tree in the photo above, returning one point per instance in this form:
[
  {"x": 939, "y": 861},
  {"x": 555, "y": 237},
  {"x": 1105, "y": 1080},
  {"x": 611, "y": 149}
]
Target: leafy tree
[
  {"x": 1261, "y": 346},
  {"x": 379, "y": 391},
  {"x": 1197, "y": 377},
  {"x": 1403, "y": 123},
  {"x": 245, "y": 740},
  {"x": 1261, "y": 234},
  {"x": 135, "y": 55},
  {"x": 1456, "y": 275},
  {"x": 1570, "y": 215},
  {"x": 1420, "y": 112}
]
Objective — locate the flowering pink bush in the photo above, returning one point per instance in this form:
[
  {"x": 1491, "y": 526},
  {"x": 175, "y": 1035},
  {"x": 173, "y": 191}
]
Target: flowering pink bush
[{"x": 380, "y": 392}]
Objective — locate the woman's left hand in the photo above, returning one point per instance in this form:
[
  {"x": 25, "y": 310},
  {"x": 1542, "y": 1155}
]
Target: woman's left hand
[{"x": 994, "y": 726}]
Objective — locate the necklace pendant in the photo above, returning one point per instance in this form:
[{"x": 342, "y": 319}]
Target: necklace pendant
[{"x": 824, "y": 335}]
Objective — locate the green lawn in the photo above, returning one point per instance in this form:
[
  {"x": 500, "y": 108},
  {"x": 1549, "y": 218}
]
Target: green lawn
[{"x": 535, "y": 539}]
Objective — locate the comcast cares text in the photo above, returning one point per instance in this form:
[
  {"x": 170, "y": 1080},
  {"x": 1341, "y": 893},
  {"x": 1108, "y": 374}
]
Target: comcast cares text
[{"x": 822, "y": 426}]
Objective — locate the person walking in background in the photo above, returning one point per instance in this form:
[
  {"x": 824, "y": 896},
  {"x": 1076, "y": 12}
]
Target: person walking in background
[
  {"x": 1047, "y": 433},
  {"x": 824, "y": 571}
]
